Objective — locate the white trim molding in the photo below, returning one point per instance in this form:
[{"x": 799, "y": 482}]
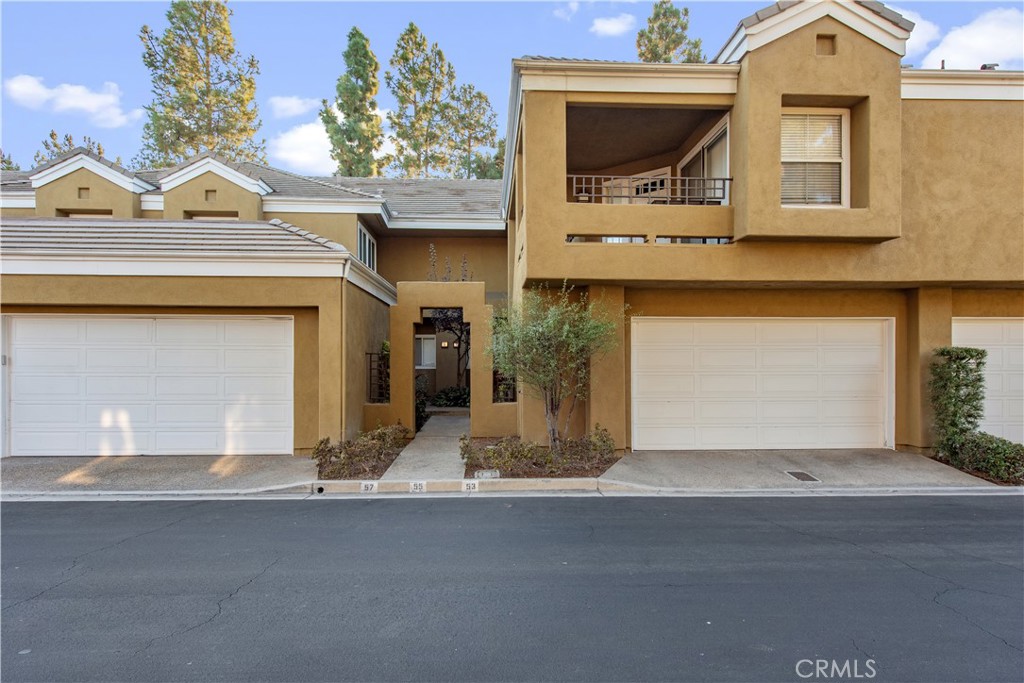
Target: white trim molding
[
  {"x": 484, "y": 224},
  {"x": 151, "y": 202},
  {"x": 321, "y": 205},
  {"x": 211, "y": 165},
  {"x": 963, "y": 85},
  {"x": 864, "y": 21},
  {"x": 17, "y": 200},
  {"x": 84, "y": 161}
]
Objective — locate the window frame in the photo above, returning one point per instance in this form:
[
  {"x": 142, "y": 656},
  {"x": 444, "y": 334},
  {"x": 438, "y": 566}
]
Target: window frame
[
  {"x": 844, "y": 162},
  {"x": 718, "y": 131},
  {"x": 366, "y": 247},
  {"x": 419, "y": 340}
]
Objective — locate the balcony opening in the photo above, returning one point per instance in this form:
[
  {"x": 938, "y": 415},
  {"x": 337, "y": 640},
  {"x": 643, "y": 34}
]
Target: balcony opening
[{"x": 647, "y": 155}]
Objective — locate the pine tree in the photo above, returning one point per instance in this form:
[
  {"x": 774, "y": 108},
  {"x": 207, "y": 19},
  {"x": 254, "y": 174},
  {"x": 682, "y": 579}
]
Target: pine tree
[
  {"x": 7, "y": 163},
  {"x": 357, "y": 136},
  {"x": 203, "y": 90},
  {"x": 56, "y": 146},
  {"x": 473, "y": 125},
  {"x": 490, "y": 166},
  {"x": 665, "y": 40},
  {"x": 422, "y": 83}
]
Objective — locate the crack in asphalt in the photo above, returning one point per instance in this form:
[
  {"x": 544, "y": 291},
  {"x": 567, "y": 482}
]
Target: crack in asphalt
[
  {"x": 858, "y": 648},
  {"x": 935, "y": 598},
  {"x": 220, "y": 610},
  {"x": 75, "y": 560}
]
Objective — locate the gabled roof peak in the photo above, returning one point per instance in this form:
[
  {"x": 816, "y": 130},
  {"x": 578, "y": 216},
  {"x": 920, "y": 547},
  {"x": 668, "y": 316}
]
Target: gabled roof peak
[{"x": 873, "y": 19}]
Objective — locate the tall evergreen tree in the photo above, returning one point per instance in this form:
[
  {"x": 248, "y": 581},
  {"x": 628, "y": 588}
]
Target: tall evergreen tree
[
  {"x": 473, "y": 125},
  {"x": 665, "y": 40},
  {"x": 203, "y": 90},
  {"x": 7, "y": 163},
  {"x": 422, "y": 82},
  {"x": 357, "y": 136},
  {"x": 490, "y": 166},
  {"x": 57, "y": 145}
]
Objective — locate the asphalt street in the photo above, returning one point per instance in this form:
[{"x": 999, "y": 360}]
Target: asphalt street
[{"x": 523, "y": 589}]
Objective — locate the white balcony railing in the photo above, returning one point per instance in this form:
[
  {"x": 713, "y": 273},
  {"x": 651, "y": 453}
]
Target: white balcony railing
[{"x": 662, "y": 189}]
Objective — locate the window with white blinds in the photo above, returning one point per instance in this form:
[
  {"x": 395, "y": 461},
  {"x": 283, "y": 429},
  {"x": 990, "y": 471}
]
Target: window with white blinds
[{"x": 815, "y": 157}]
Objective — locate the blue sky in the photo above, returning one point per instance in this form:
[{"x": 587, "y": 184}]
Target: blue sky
[{"x": 76, "y": 66}]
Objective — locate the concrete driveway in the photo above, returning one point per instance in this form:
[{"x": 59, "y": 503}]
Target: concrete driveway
[
  {"x": 759, "y": 470},
  {"x": 193, "y": 473}
]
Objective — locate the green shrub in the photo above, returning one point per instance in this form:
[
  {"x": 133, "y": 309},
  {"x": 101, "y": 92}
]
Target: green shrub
[
  {"x": 957, "y": 396},
  {"x": 996, "y": 457},
  {"x": 367, "y": 456},
  {"x": 451, "y": 397},
  {"x": 421, "y": 402}
]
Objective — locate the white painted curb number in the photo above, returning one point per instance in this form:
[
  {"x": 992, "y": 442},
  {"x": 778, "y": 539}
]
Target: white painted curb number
[
  {"x": 368, "y": 487},
  {"x": 470, "y": 486},
  {"x": 417, "y": 487}
]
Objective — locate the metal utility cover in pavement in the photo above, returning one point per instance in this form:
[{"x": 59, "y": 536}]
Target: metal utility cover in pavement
[{"x": 801, "y": 476}]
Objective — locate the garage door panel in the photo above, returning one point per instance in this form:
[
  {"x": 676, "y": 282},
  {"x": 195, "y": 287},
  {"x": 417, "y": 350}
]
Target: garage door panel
[
  {"x": 733, "y": 385},
  {"x": 117, "y": 385},
  {"x": 118, "y": 442},
  {"x": 189, "y": 332},
  {"x": 128, "y": 386},
  {"x": 765, "y": 383},
  {"x": 665, "y": 412},
  {"x": 807, "y": 359},
  {"x": 787, "y": 384},
  {"x": 119, "y": 359},
  {"x": 46, "y": 442},
  {"x": 199, "y": 386},
  {"x": 189, "y": 360},
  {"x": 55, "y": 387},
  {"x": 658, "y": 359},
  {"x": 256, "y": 359},
  {"x": 255, "y": 385},
  {"x": 121, "y": 332}
]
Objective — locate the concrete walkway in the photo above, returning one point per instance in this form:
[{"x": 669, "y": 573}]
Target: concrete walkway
[
  {"x": 156, "y": 474},
  {"x": 434, "y": 453},
  {"x": 764, "y": 469}
]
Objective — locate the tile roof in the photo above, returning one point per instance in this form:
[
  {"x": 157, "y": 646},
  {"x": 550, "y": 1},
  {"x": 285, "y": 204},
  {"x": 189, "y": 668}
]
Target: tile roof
[
  {"x": 876, "y": 7},
  {"x": 140, "y": 236},
  {"x": 15, "y": 180},
  {"x": 86, "y": 152},
  {"x": 430, "y": 196}
]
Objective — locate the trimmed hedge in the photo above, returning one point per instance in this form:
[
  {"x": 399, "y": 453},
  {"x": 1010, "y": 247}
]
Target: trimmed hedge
[
  {"x": 957, "y": 395},
  {"x": 998, "y": 458}
]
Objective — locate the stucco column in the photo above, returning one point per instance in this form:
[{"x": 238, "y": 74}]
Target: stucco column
[
  {"x": 330, "y": 349},
  {"x": 607, "y": 401},
  {"x": 929, "y": 326}
]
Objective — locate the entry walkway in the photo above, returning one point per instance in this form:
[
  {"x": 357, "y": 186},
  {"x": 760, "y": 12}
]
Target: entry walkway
[{"x": 434, "y": 453}]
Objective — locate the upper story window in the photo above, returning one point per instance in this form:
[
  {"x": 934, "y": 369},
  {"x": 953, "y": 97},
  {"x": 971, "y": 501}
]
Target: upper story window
[
  {"x": 816, "y": 157},
  {"x": 366, "y": 250}
]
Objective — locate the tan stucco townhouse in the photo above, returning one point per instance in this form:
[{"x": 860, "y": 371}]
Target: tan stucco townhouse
[{"x": 794, "y": 227}]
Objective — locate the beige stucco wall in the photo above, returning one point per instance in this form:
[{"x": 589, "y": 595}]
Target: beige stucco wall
[
  {"x": 316, "y": 305},
  {"x": 366, "y": 326},
  {"x": 407, "y": 259},
  {"x": 337, "y": 227},
  {"x": 60, "y": 196},
  {"x": 7, "y": 212},
  {"x": 189, "y": 198}
]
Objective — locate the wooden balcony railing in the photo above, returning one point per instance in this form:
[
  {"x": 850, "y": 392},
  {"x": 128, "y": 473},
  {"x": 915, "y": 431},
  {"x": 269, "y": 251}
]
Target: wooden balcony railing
[{"x": 668, "y": 190}]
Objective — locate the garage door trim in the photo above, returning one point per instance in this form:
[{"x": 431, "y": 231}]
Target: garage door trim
[{"x": 888, "y": 369}]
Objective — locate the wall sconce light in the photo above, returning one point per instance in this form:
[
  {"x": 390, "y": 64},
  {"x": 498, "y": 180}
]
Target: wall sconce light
[
  {"x": 444, "y": 345},
  {"x": 455, "y": 344}
]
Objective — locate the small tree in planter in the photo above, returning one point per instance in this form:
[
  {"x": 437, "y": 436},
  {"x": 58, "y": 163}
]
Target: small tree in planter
[
  {"x": 957, "y": 396},
  {"x": 546, "y": 343}
]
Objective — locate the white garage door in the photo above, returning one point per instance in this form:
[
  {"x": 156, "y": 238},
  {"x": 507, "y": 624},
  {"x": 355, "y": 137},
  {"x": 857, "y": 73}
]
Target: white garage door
[
  {"x": 149, "y": 386},
  {"x": 1003, "y": 338},
  {"x": 731, "y": 383}
]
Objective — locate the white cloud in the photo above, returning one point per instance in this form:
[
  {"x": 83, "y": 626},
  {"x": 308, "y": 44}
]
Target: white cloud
[
  {"x": 613, "y": 26},
  {"x": 567, "y": 11},
  {"x": 103, "y": 107},
  {"x": 289, "y": 106},
  {"x": 304, "y": 149},
  {"x": 924, "y": 34},
  {"x": 995, "y": 36}
]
